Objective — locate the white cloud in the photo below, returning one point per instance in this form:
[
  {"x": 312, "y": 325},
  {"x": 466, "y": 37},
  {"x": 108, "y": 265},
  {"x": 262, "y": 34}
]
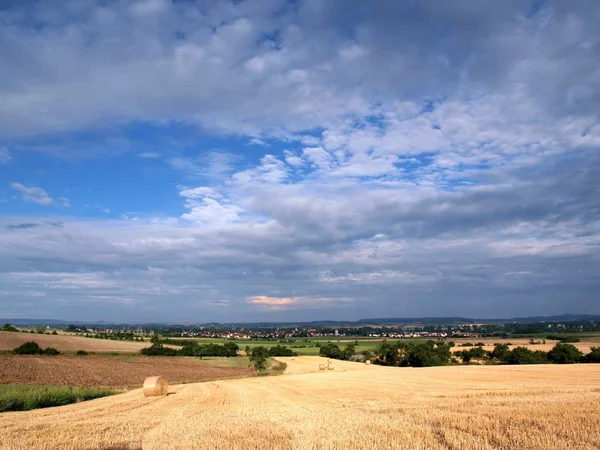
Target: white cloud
[
  {"x": 209, "y": 211},
  {"x": 33, "y": 194},
  {"x": 149, "y": 155},
  {"x": 64, "y": 202},
  {"x": 4, "y": 156},
  {"x": 199, "y": 192}
]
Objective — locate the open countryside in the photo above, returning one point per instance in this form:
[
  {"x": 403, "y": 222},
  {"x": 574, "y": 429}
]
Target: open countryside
[
  {"x": 482, "y": 407},
  {"x": 299, "y": 225}
]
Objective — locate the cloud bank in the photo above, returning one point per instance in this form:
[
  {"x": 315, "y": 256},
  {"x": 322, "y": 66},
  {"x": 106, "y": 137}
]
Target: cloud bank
[{"x": 380, "y": 158}]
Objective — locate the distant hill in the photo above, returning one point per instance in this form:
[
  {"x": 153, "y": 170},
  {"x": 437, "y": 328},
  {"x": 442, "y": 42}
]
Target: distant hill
[{"x": 386, "y": 321}]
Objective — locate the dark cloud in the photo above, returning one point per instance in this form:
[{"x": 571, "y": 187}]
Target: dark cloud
[{"x": 22, "y": 226}]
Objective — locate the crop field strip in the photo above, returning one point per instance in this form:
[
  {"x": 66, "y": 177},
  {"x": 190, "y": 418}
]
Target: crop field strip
[
  {"x": 9, "y": 341},
  {"x": 463, "y": 407},
  {"x": 115, "y": 371}
]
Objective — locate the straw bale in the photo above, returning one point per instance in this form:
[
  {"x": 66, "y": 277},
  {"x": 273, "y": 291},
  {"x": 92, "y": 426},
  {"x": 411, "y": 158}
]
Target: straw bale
[{"x": 155, "y": 386}]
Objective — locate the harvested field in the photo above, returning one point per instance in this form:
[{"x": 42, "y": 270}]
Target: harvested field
[
  {"x": 63, "y": 343},
  {"x": 584, "y": 348},
  {"x": 462, "y": 407},
  {"x": 113, "y": 371}
]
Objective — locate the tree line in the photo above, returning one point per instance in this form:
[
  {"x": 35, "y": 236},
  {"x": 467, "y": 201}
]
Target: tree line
[
  {"x": 191, "y": 348},
  {"x": 432, "y": 353}
]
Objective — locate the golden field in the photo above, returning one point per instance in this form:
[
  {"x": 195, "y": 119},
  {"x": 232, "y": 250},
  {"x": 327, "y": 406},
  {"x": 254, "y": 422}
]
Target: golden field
[
  {"x": 354, "y": 406},
  {"x": 63, "y": 343}
]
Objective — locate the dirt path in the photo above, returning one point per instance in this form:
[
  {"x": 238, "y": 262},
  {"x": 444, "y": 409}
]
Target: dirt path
[{"x": 486, "y": 407}]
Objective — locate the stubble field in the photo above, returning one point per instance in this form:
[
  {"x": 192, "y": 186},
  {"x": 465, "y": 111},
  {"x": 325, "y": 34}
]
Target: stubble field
[
  {"x": 63, "y": 343},
  {"x": 112, "y": 371},
  {"x": 462, "y": 407}
]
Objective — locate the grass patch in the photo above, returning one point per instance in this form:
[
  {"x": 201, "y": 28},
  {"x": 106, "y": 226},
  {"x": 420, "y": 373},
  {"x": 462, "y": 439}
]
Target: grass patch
[{"x": 15, "y": 397}]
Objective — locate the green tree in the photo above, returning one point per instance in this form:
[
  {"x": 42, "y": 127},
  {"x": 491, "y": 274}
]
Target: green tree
[
  {"x": 522, "y": 355},
  {"x": 9, "y": 327},
  {"x": 258, "y": 358},
  {"x": 565, "y": 354},
  {"x": 387, "y": 354},
  {"x": 348, "y": 351},
  {"x": 330, "y": 350},
  {"x": 593, "y": 356},
  {"x": 500, "y": 351}
]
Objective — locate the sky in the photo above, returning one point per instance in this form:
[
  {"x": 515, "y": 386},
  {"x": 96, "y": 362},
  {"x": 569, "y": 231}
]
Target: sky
[{"x": 271, "y": 160}]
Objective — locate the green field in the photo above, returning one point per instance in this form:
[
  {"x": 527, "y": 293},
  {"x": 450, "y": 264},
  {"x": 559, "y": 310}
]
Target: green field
[
  {"x": 302, "y": 346},
  {"x": 16, "y": 397}
]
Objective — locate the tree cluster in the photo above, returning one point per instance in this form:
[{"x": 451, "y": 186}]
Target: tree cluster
[
  {"x": 330, "y": 350},
  {"x": 560, "y": 354},
  {"x": 191, "y": 348},
  {"x": 8, "y": 327},
  {"x": 32, "y": 348}
]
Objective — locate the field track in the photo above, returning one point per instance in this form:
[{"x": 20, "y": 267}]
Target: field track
[
  {"x": 63, "y": 343},
  {"x": 462, "y": 407}
]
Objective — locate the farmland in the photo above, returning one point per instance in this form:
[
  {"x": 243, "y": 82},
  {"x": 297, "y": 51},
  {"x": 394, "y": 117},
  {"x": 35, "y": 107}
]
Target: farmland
[
  {"x": 115, "y": 371},
  {"x": 63, "y": 343},
  {"x": 308, "y": 347},
  {"x": 353, "y": 406}
]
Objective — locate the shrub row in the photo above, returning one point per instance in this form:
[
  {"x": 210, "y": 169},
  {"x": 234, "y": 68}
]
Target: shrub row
[
  {"x": 24, "y": 398},
  {"x": 560, "y": 354},
  {"x": 192, "y": 348},
  {"x": 32, "y": 348}
]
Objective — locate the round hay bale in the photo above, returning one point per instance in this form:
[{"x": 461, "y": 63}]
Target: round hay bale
[
  {"x": 155, "y": 386},
  {"x": 368, "y": 362},
  {"x": 322, "y": 366},
  {"x": 329, "y": 367}
]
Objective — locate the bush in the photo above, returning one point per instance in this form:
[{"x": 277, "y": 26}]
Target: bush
[
  {"x": 190, "y": 348},
  {"x": 81, "y": 353},
  {"x": 51, "y": 351},
  {"x": 279, "y": 350},
  {"x": 28, "y": 348},
  {"x": 158, "y": 350},
  {"x": 563, "y": 339}
]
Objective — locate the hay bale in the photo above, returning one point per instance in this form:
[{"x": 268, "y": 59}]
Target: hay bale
[
  {"x": 323, "y": 366},
  {"x": 368, "y": 362},
  {"x": 329, "y": 366},
  {"x": 155, "y": 386}
]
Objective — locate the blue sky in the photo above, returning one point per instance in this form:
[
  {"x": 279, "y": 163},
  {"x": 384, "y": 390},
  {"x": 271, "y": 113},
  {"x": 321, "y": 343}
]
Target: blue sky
[{"x": 270, "y": 160}]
